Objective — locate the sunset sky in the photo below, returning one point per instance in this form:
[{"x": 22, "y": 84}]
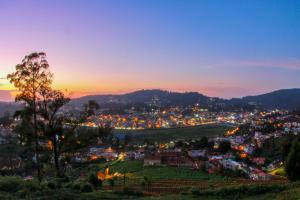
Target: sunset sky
[{"x": 224, "y": 48}]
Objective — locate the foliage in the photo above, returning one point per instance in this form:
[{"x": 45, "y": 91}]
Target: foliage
[
  {"x": 11, "y": 183},
  {"x": 224, "y": 146},
  {"x": 240, "y": 191},
  {"x": 292, "y": 165},
  {"x": 94, "y": 181},
  {"x": 203, "y": 143},
  {"x": 146, "y": 181},
  {"x": 30, "y": 78},
  {"x": 86, "y": 187}
]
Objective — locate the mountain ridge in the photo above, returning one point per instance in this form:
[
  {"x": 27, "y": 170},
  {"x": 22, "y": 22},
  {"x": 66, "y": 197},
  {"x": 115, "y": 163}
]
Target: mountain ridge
[{"x": 282, "y": 99}]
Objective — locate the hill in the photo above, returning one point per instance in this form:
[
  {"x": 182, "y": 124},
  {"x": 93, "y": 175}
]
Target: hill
[
  {"x": 281, "y": 99},
  {"x": 158, "y": 97}
]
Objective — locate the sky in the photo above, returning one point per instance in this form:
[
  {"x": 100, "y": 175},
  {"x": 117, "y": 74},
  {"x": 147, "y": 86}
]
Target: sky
[{"x": 223, "y": 48}]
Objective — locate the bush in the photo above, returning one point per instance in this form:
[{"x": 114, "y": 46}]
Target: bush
[
  {"x": 146, "y": 181},
  {"x": 56, "y": 183},
  {"x": 86, "y": 187},
  {"x": 76, "y": 186},
  {"x": 292, "y": 164},
  {"x": 239, "y": 191},
  {"x": 131, "y": 191},
  {"x": 195, "y": 191},
  {"x": 11, "y": 183},
  {"x": 112, "y": 182},
  {"x": 31, "y": 185},
  {"x": 94, "y": 181}
]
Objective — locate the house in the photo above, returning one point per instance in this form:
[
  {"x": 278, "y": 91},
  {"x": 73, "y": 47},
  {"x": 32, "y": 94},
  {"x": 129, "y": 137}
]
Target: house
[
  {"x": 180, "y": 161},
  {"x": 257, "y": 174},
  {"x": 230, "y": 164},
  {"x": 197, "y": 153},
  {"x": 136, "y": 155},
  {"x": 152, "y": 160},
  {"x": 214, "y": 165},
  {"x": 10, "y": 163},
  {"x": 259, "y": 160}
]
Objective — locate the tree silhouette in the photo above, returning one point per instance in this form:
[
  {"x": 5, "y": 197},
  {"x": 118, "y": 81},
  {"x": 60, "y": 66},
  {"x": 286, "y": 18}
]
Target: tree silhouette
[
  {"x": 29, "y": 78},
  {"x": 53, "y": 121},
  {"x": 292, "y": 165},
  {"x": 224, "y": 146}
]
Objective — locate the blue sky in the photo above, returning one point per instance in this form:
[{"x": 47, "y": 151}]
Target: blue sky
[{"x": 227, "y": 48}]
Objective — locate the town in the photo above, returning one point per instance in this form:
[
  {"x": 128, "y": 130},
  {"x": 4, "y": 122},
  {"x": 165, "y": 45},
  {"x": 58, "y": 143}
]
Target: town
[
  {"x": 240, "y": 150},
  {"x": 169, "y": 117}
]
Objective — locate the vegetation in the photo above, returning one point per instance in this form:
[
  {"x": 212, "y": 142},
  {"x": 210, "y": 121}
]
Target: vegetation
[
  {"x": 165, "y": 135},
  {"x": 292, "y": 165},
  {"x": 43, "y": 121}
]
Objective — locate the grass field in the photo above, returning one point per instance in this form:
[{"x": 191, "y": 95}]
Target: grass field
[
  {"x": 136, "y": 170},
  {"x": 165, "y": 135}
]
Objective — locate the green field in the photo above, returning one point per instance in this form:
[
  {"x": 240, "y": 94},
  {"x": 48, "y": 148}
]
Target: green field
[
  {"x": 165, "y": 135},
  {"x": 136, "y": 170}
]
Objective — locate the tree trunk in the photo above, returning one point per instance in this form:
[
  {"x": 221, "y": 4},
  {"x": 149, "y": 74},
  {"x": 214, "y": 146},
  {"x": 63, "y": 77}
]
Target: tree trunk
[
  {"x": 56, "y": 157},
  {"x": 37, "y": 156}
]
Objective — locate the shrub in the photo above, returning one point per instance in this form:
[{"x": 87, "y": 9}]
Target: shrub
[
  {"x": 86, "y": 187},
  {"x": 76, "y": 186},
  {"x": 56, "y": 183},
  {"x": 112, "y": 182},
  {"x": 94, "y": 181},
  {"x": 31, "y": 185},
  {"x": 239, "y": 191},
  {"x": 195, "y": 191},
  {"x": 146, "y": 181},
  {"x": 11, "y": 183},
  {"x": 131, "y": 191},
  {"x": 51, "y": 185}
]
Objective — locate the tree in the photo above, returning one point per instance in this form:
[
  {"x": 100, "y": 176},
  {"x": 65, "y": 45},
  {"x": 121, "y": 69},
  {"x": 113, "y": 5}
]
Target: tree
[
  {"x": 286, "y": 145},
  {"x": 203, "y": 143},
  {"x": 6, "y": 119},
  {"x": 30, "y": 76},
  {"x": 91, "y": 107},
  {"x": 292, "y": 164},
  {"x": 25, "y": 128},
  {"x": 224, "y": 146},
  {"x": 53, "y": 121},
  {"x": 127, "y": 139}
]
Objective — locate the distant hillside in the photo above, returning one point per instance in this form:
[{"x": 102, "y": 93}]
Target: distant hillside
[
  {"x": 284, "y": 99},
  {"x": 157, "y": 97},
  {"x": 281, "y": 99}
]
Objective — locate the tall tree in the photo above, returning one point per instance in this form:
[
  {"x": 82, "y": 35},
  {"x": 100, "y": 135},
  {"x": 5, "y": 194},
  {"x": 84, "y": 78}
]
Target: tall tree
[
  {"x": 53, "y": 121},
  {"x": 30, "y": 76},
  {"x": 224, "y": 146},
  {"x": 292, "y": 164},
  {"x": 91, "y": 107}
]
